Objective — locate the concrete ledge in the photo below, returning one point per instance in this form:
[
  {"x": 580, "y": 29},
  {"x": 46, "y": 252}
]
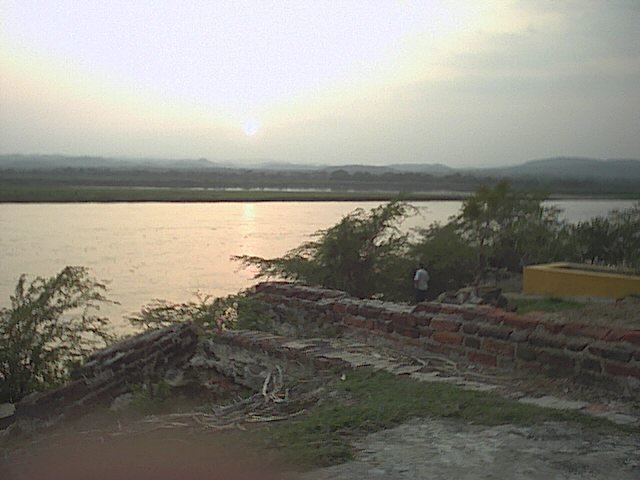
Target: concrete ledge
[{"x": 569, "y": 279}]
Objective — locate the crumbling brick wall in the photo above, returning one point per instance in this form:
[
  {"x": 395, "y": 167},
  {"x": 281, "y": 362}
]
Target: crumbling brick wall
[{"x": 479, "y": 334}]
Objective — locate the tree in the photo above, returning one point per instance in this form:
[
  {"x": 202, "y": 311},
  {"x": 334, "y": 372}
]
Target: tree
[
  {"x": 51, "y": 325},
  {"x": 450, "y": 260},
  {"x": 614, "y": 239},
  {"x": 510, "y": 229},
  {"x": 360, "y": 255}
]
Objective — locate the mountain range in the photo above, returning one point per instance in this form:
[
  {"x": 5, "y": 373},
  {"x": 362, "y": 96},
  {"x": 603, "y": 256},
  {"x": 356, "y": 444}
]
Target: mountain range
[{"x": 557, "y": 167}]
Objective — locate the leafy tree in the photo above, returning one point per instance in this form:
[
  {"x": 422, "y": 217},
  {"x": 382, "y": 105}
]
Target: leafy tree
[
  {"x": 363, "y": 254},
  {"x": 614, "y": 239},
  {"x": 51, "y": 325},
  {"x": 510, "y": 229},
  {"x": 450, "y": 260}
]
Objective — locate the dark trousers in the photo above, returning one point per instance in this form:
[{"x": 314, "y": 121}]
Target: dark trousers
[{"x": 421, "y": 295}]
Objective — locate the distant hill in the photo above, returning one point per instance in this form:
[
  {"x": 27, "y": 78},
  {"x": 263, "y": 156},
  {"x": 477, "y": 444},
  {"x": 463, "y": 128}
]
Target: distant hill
[
  {"x": 565, "y": 168},
  {"x": 568, "y": 168},
  {"x": 427, "y": 168},
  {"x": 48, "y": 162}
]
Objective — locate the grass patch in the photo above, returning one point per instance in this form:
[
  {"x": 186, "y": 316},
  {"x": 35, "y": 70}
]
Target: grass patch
[
  {"x": 544, "y": 304},
  {"x": 370, "y": 401}
]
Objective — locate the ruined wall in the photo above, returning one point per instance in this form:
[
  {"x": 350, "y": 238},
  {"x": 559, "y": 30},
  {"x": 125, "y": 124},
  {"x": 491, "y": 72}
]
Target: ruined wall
[
  {"x": 478, "y": 334},
  {"x": 112, "y": 371}
]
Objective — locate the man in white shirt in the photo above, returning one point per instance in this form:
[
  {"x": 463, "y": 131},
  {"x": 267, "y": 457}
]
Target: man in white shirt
[{"x": 421, "y": 283}]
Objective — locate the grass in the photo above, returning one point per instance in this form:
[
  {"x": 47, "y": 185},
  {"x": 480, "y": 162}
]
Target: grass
[
  {"x": 544, "y": 304},
  {"x": 370, "y": 401},
  {"x": 366, "y": 402},
  {"x": 67, "y": 194}
]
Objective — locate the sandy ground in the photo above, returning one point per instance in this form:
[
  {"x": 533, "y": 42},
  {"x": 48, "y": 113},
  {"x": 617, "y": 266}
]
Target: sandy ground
[{"x": 437, "y": 449}]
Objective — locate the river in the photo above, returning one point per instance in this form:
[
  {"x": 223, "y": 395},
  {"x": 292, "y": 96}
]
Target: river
[{"x": 146, "y": 251}]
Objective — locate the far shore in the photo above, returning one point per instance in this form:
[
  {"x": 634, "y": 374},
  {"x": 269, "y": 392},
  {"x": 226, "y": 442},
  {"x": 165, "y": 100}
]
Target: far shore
[{"x": 87, "y": 194}]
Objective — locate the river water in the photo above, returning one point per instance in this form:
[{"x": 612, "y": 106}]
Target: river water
[{"x": 170, "y": 251}]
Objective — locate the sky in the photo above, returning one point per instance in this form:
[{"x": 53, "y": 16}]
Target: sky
[{"x": 464, "y": 83}]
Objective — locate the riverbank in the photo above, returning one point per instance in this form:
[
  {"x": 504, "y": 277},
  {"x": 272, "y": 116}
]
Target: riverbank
[
  {"x": 85, "y": 194},
  {"x": 104, "y": 194}
]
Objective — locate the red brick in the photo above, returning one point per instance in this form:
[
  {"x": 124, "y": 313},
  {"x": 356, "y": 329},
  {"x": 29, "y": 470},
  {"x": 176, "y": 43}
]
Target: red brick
[
  {"x": 621, "y": 370},
  {"x": 388, "y": 315},
  {"x": 495, "y": 316},
  {"x": 415, "y": 342},
  {"x": 358, "y": 322},
  {"x": 452, "y": 309},
  {"x": 405, "y": 320},
  {"x": 370, "y": 312},
  {"x": 577, "y": 344},
  {"x": 427, "y": 307},
  {"x": 522, "y": 323},
  {"x": 616, "y": 334},
  {"x": 482, "y": 358},
  {"x": 470, "y": 327},
  {"x": 573, "y": 329},
  {"x": 632, "y": 336},
  {"x": 494, "y": 332},
  {"x": 543, "y": 339},
  {"x": 519, "y": 336},
  {"x": 472, "y": 342},
  {"x": 383, "y": 326},
  {"x": 425, "y": 331},
  {"x": 611, "y": 351},
  {"x": 448, "y": 337},
  {"x": 445, "y": 325},
  {"x": 552, "y": 327},
  {"x": 411, "y": 332},
  {"x": 556, "y": 361},
  {"x": 422, "y": 319},
  {"x": 470, "y": 313},
  {"x": 599, "y": 333},
  {"x": 494, "y": 346},
  {"x": 590, "y": 364},
  {"x": 439, "y": 348}
]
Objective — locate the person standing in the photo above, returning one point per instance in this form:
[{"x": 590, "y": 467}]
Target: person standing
[{"x": 421, "y": 283}]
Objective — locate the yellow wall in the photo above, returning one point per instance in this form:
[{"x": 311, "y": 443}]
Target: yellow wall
[{"x": 552, "y": 279}]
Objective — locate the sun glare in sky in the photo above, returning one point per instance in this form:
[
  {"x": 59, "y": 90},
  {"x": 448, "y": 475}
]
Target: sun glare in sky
[
  {"x": 250, "y": 127},
  {"x": 360, "y": 81}
]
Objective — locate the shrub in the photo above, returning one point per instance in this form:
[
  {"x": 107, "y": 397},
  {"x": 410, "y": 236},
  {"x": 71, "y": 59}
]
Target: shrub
[
  {"x": 450, "y": 261},
  {"x": 51, "y": 325},
  {"x": 614, "y": 239},
  {"x": 359, "y": 255},
  {"x": 209, "y": 314},
  {"x": 510, "y": 229}
]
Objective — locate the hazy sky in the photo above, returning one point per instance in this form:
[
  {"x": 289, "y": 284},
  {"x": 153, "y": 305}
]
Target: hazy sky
[{"x": 460, "y": 82}]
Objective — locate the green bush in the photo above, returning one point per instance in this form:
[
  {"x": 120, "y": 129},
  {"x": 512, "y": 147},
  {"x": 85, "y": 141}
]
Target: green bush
[
  {"x": 450, "y": 260},
  {"x": 510, "y": 229},
  {"x": 360, "y": 255},
  {"x": 613, "y": 240},
  {"x": 51, "y": 325},
  {"x": 209, "y": 314}
]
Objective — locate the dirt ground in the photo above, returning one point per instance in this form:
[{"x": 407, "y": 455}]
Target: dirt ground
[{"x": 442, "y": 449}]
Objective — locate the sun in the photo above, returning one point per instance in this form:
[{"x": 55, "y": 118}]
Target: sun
[{"x": 250, "y": 127}]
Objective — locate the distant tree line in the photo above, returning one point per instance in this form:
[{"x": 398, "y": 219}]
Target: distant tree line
[{"x": 303, "y": 179}]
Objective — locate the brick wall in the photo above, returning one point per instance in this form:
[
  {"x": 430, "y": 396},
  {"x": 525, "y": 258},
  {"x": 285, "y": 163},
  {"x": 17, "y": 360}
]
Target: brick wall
[
  {"x": 478, "y": 334},
  {"x": 112, "y": 371}
]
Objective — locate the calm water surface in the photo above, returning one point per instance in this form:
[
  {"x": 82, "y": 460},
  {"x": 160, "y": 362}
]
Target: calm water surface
[{"x": 173, "y": 250}]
